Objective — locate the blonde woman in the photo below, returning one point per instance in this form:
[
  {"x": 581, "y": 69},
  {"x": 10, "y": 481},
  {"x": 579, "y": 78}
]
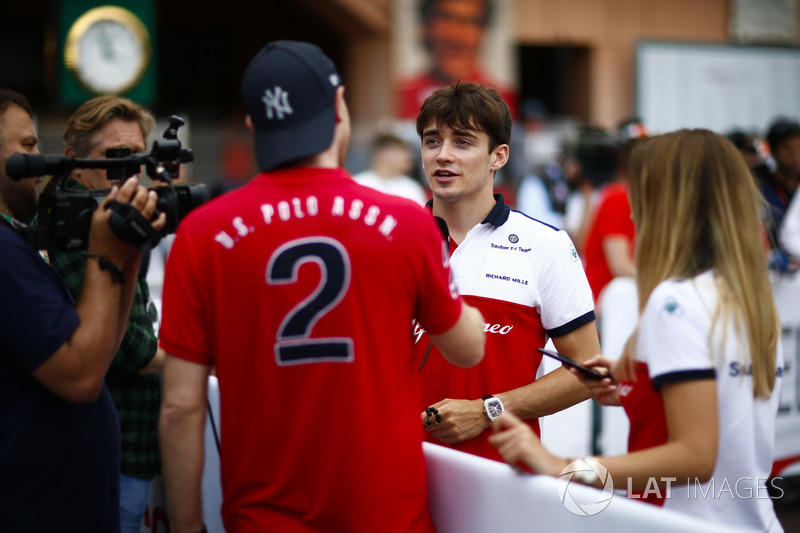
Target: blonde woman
[{"x": 700, "y": 377}]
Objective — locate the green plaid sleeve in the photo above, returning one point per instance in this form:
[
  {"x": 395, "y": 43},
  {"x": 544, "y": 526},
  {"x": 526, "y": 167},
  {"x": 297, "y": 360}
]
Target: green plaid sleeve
[
  {"x": 70, "y": 266},
  {"x": 139, "y": 342}
]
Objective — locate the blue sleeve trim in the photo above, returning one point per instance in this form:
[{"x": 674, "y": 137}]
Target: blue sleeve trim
[
  {"x": 683, "y": 375},
  {"x": 572, "y": 325}
]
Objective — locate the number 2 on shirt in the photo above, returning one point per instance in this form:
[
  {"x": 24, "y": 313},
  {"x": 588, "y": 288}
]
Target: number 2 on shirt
[{"x": 294, "y": 344}]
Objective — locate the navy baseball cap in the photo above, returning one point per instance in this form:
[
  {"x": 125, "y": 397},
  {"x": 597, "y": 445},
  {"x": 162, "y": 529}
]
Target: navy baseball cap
[{"x": 289, "y": 91}]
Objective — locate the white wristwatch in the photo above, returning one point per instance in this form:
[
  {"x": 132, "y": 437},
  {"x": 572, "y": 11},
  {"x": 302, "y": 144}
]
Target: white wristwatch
[{"x": 493, "y": 407}]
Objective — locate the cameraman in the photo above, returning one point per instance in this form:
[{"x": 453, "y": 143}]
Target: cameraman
[
  {"x": 59, "y": 436},
  {"x": 133, "y": 378}
]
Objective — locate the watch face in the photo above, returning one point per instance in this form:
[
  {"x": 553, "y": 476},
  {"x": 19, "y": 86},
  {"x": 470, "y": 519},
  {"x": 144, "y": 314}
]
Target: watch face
[
  {"x": 493, "y": 408},
  {"x": 108, "y": 49}
]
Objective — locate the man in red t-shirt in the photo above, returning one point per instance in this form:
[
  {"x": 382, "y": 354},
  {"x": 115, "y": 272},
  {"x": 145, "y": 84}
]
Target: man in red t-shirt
[
  {"x": 300, "y": 289},
  {"x": 610, "y": 237},
  {"x": 609, "y": 243}
]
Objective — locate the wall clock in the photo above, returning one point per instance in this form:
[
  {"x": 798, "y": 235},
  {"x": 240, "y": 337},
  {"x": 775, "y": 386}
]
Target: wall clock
[{"x": 107, "y": 50}]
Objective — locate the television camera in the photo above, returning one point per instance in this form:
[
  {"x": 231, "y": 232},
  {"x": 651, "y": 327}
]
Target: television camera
[{"x": 65, "y": 215}]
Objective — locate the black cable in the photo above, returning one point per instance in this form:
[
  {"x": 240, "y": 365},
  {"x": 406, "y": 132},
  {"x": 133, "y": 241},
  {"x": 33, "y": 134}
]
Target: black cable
[
  {"x": 213, "y": 424},
  {"x": 430, "y": 345}
]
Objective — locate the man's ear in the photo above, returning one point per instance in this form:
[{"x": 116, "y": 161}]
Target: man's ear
[
  {"x": 248, "y": 122},
  {"x": 70, "y": 152},
  {"x": 499, "y": 157},
  {"x": 339, "y": 104}
]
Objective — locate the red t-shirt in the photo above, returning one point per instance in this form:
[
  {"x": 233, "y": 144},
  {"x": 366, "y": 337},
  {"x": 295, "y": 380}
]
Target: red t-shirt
[
  {"x": 612, "y": 217},
  {"x": 648, "y": 424},
  {"x": 300, "y": 288}
]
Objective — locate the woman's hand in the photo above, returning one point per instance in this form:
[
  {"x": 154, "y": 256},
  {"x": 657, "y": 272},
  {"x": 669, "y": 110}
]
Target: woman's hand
[
  {"x": 518, "y": 445},
  {"x": 604, "y": 391}
]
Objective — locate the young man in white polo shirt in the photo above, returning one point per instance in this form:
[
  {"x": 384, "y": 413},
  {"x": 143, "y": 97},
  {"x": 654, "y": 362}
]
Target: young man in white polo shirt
[{"x": 524, "y": 276}]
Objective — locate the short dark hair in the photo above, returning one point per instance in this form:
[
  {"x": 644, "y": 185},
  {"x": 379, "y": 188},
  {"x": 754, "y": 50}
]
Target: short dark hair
[
  {"x": 781, "y": 130},
  {"x": 7, "y": 98},
  {"x": 428, "y": 7},
  {"x": 597, "y": 152},
  {"x": 743, "y": 141},
  {"x": 10, "y": 96},
  {"x": 385, "y": 140},
  {"x": 468, "y": 106}
]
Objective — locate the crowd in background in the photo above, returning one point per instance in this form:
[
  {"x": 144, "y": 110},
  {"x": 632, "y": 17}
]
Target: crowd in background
[{"x": 572, "y": 176}]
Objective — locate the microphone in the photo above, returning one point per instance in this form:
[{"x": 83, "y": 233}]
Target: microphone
[{"x": 20, "y": 166}]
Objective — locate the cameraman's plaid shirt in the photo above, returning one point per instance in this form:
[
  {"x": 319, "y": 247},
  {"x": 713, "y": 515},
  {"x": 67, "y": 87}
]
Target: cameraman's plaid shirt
[{"x": 136, "y": 397}]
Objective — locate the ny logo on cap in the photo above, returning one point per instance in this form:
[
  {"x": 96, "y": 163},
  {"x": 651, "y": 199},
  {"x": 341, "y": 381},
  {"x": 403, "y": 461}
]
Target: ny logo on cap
[{"x": 277, "y": 103}]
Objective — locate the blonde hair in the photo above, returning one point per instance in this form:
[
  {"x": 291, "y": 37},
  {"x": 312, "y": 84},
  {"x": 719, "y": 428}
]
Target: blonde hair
[
  {"x": 90, "y": 117},
  {"x": 696, "y": 207}
]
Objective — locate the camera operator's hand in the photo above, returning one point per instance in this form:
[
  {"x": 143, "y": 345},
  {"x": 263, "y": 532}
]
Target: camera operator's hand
[
  {"x": 102, "y": 240},
  {"x": 77, "y": 369}
]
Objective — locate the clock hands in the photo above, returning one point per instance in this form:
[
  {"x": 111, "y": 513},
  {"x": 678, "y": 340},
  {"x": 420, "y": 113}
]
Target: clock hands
[{"x": 106, "y": 42}]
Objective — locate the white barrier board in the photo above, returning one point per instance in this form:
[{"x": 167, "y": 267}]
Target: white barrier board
[{"x": 470, "y": 494}]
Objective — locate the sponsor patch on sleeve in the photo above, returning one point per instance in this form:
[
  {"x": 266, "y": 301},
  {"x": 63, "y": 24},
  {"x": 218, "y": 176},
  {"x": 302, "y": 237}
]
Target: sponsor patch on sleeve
[
  {"x": 671, "y": 308},
  {"x": 574, "y": 253}
]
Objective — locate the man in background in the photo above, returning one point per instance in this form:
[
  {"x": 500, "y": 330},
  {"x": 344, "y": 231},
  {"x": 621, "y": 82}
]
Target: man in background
[
  {"x": 610, "y": 235},
  {"x": 60, "y": 442},
  {"x": 133, "y": 378},
  {"x": 778, "y": 179},
  {"x": 748, "y": 145},
  {"x": 390, "y": 164}
]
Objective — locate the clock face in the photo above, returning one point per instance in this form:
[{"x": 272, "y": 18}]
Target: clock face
[{"x": 108, "y": 50}]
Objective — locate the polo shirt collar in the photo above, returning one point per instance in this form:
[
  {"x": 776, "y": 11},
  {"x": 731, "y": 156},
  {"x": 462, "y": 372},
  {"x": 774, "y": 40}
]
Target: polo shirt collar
[
  {"x": 499, "y": 213},
  {"x": 496, "y": 217}
]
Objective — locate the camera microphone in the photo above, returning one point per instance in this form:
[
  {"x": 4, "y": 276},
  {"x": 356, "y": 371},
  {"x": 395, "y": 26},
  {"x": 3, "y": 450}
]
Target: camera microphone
[{"x": 20, "y": 166}]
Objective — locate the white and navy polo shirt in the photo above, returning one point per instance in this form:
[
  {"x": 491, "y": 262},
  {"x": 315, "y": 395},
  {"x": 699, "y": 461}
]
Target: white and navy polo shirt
[{"x": 528, "y": 282}]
